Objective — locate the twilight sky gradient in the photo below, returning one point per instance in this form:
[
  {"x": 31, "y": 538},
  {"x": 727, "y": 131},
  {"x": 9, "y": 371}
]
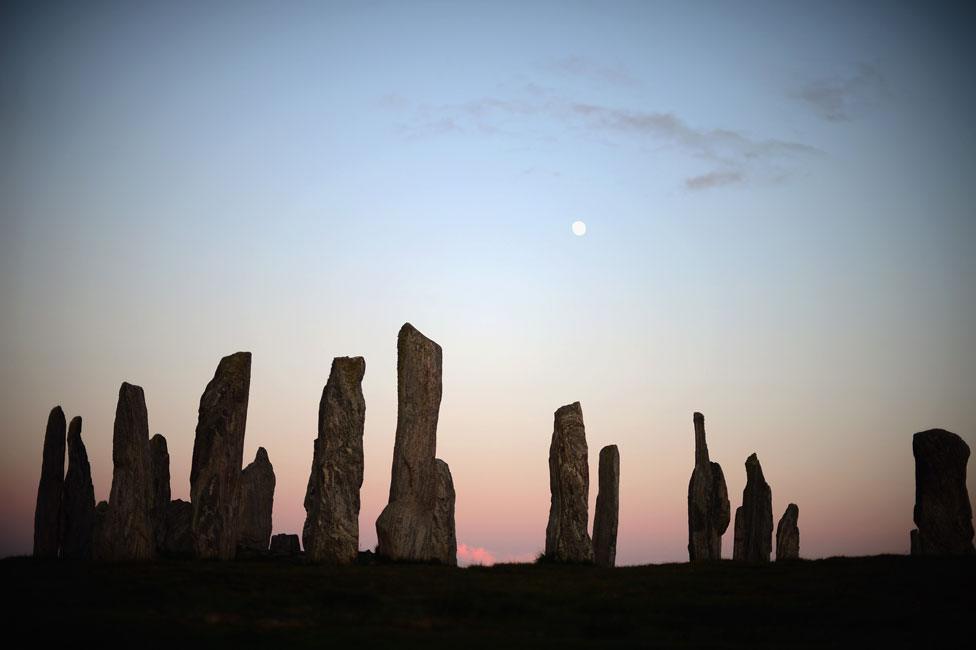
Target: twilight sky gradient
[{"x": 780, "y": 211}]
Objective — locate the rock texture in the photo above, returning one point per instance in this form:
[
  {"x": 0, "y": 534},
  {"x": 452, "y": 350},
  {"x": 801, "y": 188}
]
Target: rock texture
[
  {"x": 569, "y": 484},
  {"x": 257, "y": 503},
  {"x": 130, "y": 502},
  {"x": 754, "y": 518},
  {"x": 50, "y": 489},
  {"x": 284, "y": 545},
  {"x": 788, "y": 535},
  {"x": 943, "y": 513},
  {"x": 708, "y": 502},
  {"x": 101, "y": 535},
  {"x": 418, "y": 522},
  {"x": 331, "y": 531},
  {"x": 178, "y": 540},
  {"x": 607, "y": 508},
  {"x": 159, "y": 453},
  {"x": 218, "y": 452},
  {"x": 79, "y": 499}
]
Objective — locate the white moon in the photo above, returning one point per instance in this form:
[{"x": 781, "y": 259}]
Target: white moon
[{"x": 579, "y": 228}]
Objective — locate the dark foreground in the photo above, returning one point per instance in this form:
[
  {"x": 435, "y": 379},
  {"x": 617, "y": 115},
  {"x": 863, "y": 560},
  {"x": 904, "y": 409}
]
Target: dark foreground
[{"x": 886, "y": 601}]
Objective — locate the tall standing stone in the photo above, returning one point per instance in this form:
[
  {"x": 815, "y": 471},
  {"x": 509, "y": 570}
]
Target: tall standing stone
[
  {"x": 159, "y": 453},
  {"x": 218, "y": 453},
  {"x": 788, "y": 534},
  {"x": 130, "y": 502},
  {"x": 257, "y": 504},
  {"x": 418, "y": 522},
  {"x": 708, "y": 502},
  {"x": 50, "y": 489},
  {"x": 607, "y": 508},
  {"x": 79, "y": 498},
  {"x": 569, "y": 484},
  {"x": 754, "y": 518},
  {"x": 331, "y": 531},
  {"x": 943, "y": 513}
]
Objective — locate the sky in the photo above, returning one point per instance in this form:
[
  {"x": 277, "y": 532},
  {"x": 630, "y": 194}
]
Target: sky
[{"x": 780, "y": 223}]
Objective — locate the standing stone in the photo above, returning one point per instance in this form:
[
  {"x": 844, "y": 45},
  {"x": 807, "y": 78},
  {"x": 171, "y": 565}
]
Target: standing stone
[
  {"x": 607, "y": 508},
  {"x": 178, "y": 541},
  {"x": 160, "y": 490},
  {"x": 418, "y": 522},
  {"x": 218, "y": 452},
  {"x": 47, "y": 513},
  {"x": 284, "y": 545},
  {"x": 331, "y": 531},
  {"x": 754, "y": 518},
  {"x": 788, "y": 535},
  {"x": 708, "y": 502},
  {"x": 79, "y": 498},
  {"x": 257, "y": 503},
  {"x": 101, "y": 535},
  {"x": 130, "y": 502},
  {"x": 943, "y": 513},
  {"x": 569, "y": 485}
]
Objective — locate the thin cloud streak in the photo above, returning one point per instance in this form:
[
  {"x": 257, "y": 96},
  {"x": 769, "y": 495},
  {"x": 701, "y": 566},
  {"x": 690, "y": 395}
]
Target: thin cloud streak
[{"x": 844, "y": 96}]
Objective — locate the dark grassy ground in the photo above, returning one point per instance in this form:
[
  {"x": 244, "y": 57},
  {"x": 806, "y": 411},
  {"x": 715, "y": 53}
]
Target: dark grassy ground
[{"x": 873, "y": 602}]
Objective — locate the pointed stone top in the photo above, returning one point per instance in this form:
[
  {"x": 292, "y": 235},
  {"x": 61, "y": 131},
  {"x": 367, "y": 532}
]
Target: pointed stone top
[
  {"x": 56, "y": 412},
  {"x": 262, "y": 456},
  {"x": 132, "y": 390},
  {"x": 158, "y": 440},
  {"x": 701, "y": 447},
  {"x": 74, "y": 428},
  {"x": 754, "y": 469},
  {"x": 569, "y": 410},
  {"x": 351, "y": 368},
  {"x": 410, "y": 333},
  {"x": 793, "y": 511},
  {"x": 235, "y": 363}
]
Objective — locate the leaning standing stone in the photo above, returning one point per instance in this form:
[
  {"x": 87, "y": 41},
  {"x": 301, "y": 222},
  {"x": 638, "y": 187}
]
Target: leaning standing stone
[
  {"x": 943, "y": 513},
  {"x": 569, "y": 483},
  {"x": 607, "y": 508},
  {"x": 218, "y": 452},
  {"x": 79, "y": 498},
  {"x": 257, "y": 504},
  {"x": 160, "y": 492},
  {"x": 47, "y": 513},
  {"x": 788, "y": 534},
  {"x": 708, "y": 502},
  {"x": 130, "y": 502},
  {"x": 754, "y": 519}
]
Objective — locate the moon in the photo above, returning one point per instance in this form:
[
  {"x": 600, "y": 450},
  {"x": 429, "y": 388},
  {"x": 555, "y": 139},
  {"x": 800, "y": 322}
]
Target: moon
[{"x": 579, "y": 228}]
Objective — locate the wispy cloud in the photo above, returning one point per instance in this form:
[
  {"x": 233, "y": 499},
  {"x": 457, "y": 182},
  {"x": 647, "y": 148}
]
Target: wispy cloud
[
  {"x": 577, "y": 66},
  {"x": 713, "y": 179},
  {"x": 845, "y": 95}
]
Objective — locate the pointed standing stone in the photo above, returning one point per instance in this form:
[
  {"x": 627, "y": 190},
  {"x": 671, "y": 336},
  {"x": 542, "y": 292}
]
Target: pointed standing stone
[
  {"x": 50, "y": 489},
  {"x": 218, "y": 453},
  {"x": 257, "y": 504},
  {"x": 788, "y": 535},
  {"x": 130, "y": 503},
  {"x": 754, "y": 518},
  {"x": 418, "y": 522},
  {"x": 331, "y": 531},
  {"x": 79, "y": 498},
  {"x": 160, "y": 491},
  {"x": 569, "y": 484},
  {"x": 607, "y": 508},
  {"x": 943, "y": 513},
  {"x": 708, "y": 502}
]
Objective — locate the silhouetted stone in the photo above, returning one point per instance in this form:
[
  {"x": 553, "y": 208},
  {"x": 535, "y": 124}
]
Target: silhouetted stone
[
  {"x": 130, "y": 511},
  {"x": 50, "y": 489},
  {"x": 218, "y": 452},
  {"x": 607, "y": 508},
  {"x": 569, "y": 484},
  {"x": 331, "y": 530},
  {"x": 159, "y": 453},
  {"x": 788, "y": 535},
  {"x": 943, "y": 512},
  {"x": 101, "y": 535},
  {"x": 257, "y": 503},
  {"x": 708, "y": 502},
  {"x": 284, "y": 545},
  {"x": 178, "y": 541},
  {"x": 913, "y": 537},
  {"x": 754, "y": 518},
  {"x": 79, "y": 499},
  {"x": 418, "y": 522}
]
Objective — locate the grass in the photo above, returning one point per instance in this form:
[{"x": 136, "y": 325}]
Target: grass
[{"x": 883, "y": 601}]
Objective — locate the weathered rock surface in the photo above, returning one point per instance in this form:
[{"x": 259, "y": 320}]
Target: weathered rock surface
[
  {"x": 218, "y": 453},
  {"x": 50, "y": 489},
  {"x": 788, "y": 534},
  {"x": 79, "y": 499},
  {"x": 607, "y": 508},
  {"x": 159, "y": 453},
  {"x": 284, "y": 545},
  {"x": 708, "y": 502},
  {"x": 178, "y": 541},
  {"x": 418, "y": 522},
  {"x": 754, "y": 518},
  {"x": 331, "y": 531},
  {"x": 130, "y": 502},
  {"x": 569, "y": 484},
  {"x": 257, "y": 504},
  {"x": 943, "y": 513},
  {"x": 101, "y": 534}
]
